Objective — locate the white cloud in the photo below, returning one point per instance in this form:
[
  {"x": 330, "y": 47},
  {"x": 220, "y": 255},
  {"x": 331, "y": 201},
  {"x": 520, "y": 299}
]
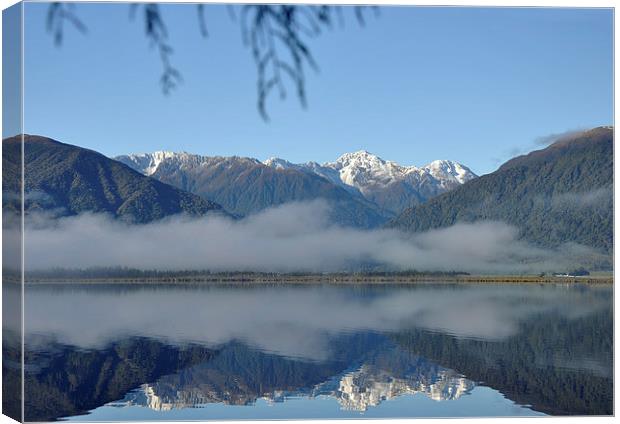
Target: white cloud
[
  {"x": 290, "y": 321},
  {"x": 292, "y": 237}
]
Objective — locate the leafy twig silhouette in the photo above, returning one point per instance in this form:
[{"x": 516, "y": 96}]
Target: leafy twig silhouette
[
  {"x": 275, "y": 34},
  {"x": 157, "y": 33},
  {"x": 202, "y": 23},
  {"x": 266, "y": 27},
  {"x": 57, "y": 15}
]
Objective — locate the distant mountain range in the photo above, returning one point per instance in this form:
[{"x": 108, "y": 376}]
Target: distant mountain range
[
  {"x": 244, "y": 185},
  {"x": 559, "y": 194},
  {"x": 364, "y": 189},
  {"x": 391, "y": 186},
  {"x": 67, "y": 180}
]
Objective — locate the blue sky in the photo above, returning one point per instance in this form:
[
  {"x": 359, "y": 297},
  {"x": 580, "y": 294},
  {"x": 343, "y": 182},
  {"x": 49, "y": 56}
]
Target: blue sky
[{"x": 476, "y": 85}]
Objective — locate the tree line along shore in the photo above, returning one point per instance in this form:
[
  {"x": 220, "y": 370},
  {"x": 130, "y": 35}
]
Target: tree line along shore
[{"x": 306, "y": 278}]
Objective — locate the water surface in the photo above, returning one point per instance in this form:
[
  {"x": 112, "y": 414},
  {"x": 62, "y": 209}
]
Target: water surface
[{"x": 140, "y": 352}]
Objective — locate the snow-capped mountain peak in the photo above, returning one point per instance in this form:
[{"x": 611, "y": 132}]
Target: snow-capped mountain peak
[
  {"x": 445, "y": 169},
  {"x": 278, "y": 163},
  {"x": 365, "y": 170},
  {"x": 366, "y": 173},
  {"x": 362, "y": 168},
  {"x": 149, "y": 162},
  {"x": 361, "y": 159},
  {"x": 389, "y": 185}
]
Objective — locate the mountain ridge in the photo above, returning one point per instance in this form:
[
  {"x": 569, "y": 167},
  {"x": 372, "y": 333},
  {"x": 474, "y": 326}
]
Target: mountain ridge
[
  {"x": 562, "y": 193},
  {"x": 68, "y": 180},
  {"x": 245, "y": 186},
  {"x": 384, "y": 186}
]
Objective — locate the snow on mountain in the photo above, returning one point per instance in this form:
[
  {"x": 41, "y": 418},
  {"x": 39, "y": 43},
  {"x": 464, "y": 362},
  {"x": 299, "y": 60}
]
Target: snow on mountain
[
  {"x": 150, "y": 163},
  {"x": 244, "y": 186},
  {"x": 448, "y": 170},
  {"x": 361, "y": 170},
  {"x": 364, "y": 170},
  {"x": 385, "y": 182},
  {"x": 390, "y": 186},
  {"x": 278, "y": 163}
]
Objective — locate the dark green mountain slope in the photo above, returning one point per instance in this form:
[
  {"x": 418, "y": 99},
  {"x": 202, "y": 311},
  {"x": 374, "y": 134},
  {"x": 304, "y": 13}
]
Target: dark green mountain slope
[
  {"x": 68, "y": 180},
  {"x": 563, "y": 193}
]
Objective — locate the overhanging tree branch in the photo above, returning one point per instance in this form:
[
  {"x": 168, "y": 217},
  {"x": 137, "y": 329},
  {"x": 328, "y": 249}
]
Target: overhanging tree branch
[{"x": 277, "y": 36}]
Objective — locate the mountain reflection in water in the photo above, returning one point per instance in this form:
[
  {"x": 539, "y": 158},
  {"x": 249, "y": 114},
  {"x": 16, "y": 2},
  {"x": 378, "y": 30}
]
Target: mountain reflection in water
[
  {"x": 164, "y": 348},
  {"x": 367, "y": 386}
]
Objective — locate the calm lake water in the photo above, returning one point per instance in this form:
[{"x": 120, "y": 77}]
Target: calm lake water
[{"x": 138, "y": 352}]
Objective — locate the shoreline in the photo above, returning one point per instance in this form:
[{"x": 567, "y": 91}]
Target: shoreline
[{"x": 326, "y": 279}]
